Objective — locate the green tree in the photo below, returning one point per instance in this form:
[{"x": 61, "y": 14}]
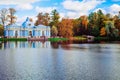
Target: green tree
[
  {"x": 95, "y": 31},
  {"x": 100, "y": 20},
  {"x": 110, "y": 29},
  {"x": 93, "y": 19},
  {"x": 54, "y": 18},
  {"x": 96, "y": 21}
]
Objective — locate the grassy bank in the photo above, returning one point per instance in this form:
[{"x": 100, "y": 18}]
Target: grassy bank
[
  {"x": 106, "y": 39},
  {"x": 57, "y": 39},
  {"x": 78, "y": 38},
  {"x": 13, "y": 39}
]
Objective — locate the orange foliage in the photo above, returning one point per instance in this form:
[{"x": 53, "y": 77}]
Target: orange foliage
[
  {"x": 84, "y": 21},
  {"x": 103, "y": 31},
  {"x": 66, "y": 28}
]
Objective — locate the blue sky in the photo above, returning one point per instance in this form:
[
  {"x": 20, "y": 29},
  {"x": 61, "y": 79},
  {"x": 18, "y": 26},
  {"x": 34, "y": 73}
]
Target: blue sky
[{"x": 66, "y": 8}]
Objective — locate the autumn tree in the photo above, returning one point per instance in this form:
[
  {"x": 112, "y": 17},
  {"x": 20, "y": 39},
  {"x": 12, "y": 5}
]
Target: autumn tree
[
  {"x": 12, "y": 16},
  {"x": 43, "y": 18},
  {"x": 31, "y": 20},
  {"x": 1, "y": 30},
  {"x": 54, "y": 31},
  {"x": 83, "y": 25},
  {"x": 46, "y": 19},
  {"x": 66, "y": 28},
  {"x": 117, "y": 22},
  {"x": 3, "y": 16},
  {"x": 84, "y": 21},
  {"x": 76, "y": 27},
  {"x": 39, "y": 19},
  {"x": 103, "y": 31}
]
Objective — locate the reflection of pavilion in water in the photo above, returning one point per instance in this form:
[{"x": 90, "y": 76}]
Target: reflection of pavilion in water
[{"x": 27, "y": 44}]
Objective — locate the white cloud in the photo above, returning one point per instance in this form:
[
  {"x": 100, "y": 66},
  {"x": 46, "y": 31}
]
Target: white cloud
[
  {"x": 84, "y": 5},
  {"x": 62, "y": 15},
  {"x": 76, "y": 8},
  {"x": 72, "y": 15},
  {"x": 45, "y": 9},
  {"x": 17, "y": 2},
  {"x": 20, "y": 4},
  {"x": 24, "y": 7},
  {"x": 114, "y": 9}
]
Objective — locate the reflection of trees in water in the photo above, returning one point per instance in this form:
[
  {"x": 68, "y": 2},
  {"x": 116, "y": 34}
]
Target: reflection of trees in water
[
  {"x": 95, "y": 48},
  {"x": 55, "y": 45},
  {"x": 5, "y": 44},
  {"x": 0, "y": 45},
  {"x": 63, "y": 44}
]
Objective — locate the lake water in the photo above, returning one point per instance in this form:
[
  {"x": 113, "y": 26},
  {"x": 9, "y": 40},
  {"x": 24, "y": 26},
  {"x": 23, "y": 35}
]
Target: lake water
[{"x": 59, "y": 61}]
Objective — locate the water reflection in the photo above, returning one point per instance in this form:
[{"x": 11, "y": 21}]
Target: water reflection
[
  {"x": 0, "y": 45},
  {"x": 27, "y": 44},
  {"x": 67, "y": 45},
  {"x": 59, "y": 61}
]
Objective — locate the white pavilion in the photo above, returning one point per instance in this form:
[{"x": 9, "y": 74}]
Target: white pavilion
[{"x": 27, "y": 29}]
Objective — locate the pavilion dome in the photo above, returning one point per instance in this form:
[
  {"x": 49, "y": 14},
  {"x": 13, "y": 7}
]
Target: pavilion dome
[{"x": 27, "y": 23}]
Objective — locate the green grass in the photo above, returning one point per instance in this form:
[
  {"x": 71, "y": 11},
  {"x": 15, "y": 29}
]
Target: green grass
[
  {"x": 57, "y": 39},
  {"x": 13, "y": 39}
]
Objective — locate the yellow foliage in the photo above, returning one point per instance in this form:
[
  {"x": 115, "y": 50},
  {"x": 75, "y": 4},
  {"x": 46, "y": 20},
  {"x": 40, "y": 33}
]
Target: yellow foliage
[{"x": 103, "y": 31}]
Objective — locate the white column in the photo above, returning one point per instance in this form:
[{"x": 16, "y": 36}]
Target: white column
[
  {"x": 49, "y": 33},
  {"x": 40, "y": 32},
  {"x": 45, "y": 32}
]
